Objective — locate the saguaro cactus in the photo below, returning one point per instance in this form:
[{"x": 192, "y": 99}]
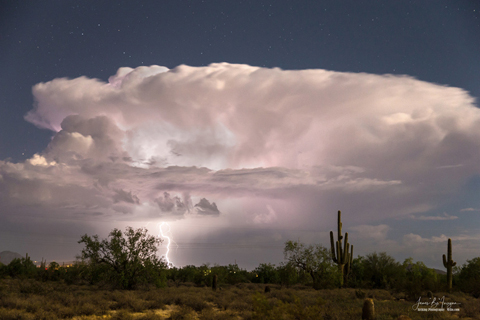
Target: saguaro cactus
[
  {"x": 368, "y": 310},
  {"x": 449, "y": 263},
  {"x": 342, "y": 257},
  {"x": 214, "y": 282}
]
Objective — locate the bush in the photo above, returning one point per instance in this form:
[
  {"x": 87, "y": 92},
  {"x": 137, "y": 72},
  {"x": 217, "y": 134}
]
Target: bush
[
  {"x": 315, "y": 262},
  {"x": 122, "y": 315},
  {"x": 21, "y": 268},
  {"x": 266, "y": 273},
  {"x": 124, "y": 259},
  {"x": 150, "y": 316},
  {"x": 381, "y": 271},
  {"x": 266, "y": 309},
  {"x": 469, "y": 277},
  {"x": 418, "y": 278},
  {"x": 182, "y": 313},
  {"x": 287, "y": 274}
]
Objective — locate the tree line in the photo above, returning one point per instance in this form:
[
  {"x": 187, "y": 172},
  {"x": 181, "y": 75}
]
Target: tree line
[{"x": 128, "y": 260}]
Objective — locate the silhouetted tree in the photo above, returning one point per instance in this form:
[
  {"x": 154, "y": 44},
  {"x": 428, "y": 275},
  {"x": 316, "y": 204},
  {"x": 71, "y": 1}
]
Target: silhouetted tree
[
  {"x": 266, "y": 273},
  {"x": 314, "y": 260},
  {"x": 125, "y": 259},
  {"x": 469, "y": 277},
  {"x": 22, "y": 268},
  {"x": 382, "y": 271}
]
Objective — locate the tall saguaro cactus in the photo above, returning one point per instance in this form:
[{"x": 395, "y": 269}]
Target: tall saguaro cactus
[
  {"x": 342, "y": 257},
  {"x": 449, "y": 263}
]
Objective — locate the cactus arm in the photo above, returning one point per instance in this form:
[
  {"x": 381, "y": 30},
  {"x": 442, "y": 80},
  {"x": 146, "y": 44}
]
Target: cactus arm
[
  {"x": 338, "y": 254},
  {"x": 332, "y": 245},
  {"x": 449, "y": 249},
  {"x": 340, "y": 237},
  {"x": 348, "y": 263},
  {"x": 445, "y": 264},
  {"x": 345, "y": 250}
]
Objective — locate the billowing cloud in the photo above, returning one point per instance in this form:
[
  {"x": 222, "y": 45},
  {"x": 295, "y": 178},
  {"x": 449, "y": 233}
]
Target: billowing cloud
[
  {"x": 266, "y": 217},
  {"x": 267, "y": 146},
  {"x": 173, "y": 205},
  {"x": 417, "y": 239},
  {"x": 206, "y": 208},
  {"x": 445, "y": 216},
  {"x": 432, "y": 248},
  {"x": 122, "y": 195},
  {"x": 378, "y": 233}
]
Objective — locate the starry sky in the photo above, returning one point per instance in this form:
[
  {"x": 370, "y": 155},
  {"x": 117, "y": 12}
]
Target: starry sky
[{"x": 243, "y": 124}]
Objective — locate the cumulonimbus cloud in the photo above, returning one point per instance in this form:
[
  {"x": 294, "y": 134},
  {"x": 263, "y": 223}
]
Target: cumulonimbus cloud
[{"x": 303, "y": 139}]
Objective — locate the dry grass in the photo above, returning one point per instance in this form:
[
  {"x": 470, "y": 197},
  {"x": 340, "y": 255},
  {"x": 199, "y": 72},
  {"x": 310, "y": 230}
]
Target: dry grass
[{"x": 28, "y": 299}]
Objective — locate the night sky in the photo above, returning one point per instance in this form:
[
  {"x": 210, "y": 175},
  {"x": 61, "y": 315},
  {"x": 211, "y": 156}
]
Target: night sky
[{"x": 243, "y": 124}]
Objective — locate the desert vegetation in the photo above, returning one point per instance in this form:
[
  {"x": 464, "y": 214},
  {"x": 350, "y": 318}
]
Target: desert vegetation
[
  {"x": 122, "y": 278},
  {"x": 34, "y": 299}
]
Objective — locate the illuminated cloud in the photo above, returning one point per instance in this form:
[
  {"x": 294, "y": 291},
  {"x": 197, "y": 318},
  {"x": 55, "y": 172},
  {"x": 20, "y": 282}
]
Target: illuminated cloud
[
  {"x": 268, "y": 217},
  {"x": 415, "y": 238},
  {"x": 378, "y": 233},
  {"x": 432, "y": 248},
  {"x": 445, "y": 216},
  {"x": 258, "y": 147},
  {"x": 172, "y": 205},
  {"x": 122, "y": 195},
  {"x": 206, "y": 208}
]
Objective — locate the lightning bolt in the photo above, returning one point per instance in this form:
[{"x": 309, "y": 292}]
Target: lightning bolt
[{"x": 160, "y": 225}]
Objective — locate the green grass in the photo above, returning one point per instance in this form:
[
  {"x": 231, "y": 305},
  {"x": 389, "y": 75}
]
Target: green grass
[{"x": 29, "y": 299}]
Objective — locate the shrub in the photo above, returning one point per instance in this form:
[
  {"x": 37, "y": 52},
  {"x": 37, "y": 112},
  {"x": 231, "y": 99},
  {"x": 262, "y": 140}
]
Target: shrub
[
  {"x": 182, "y": 313},
  {"x": 122, "y": 315},
  {"x": 360, "y": 294},
  {"x": 469, "y": 277},
  {"x": 314, "y": 260},
  {"x": 125, "y": 259},
  {"x": 150, "y": 315},
  {"x": 287, "y": 274},
  {"x": 266, "y": 273},
  {"x": 196, "y": 303},
  {"x": 21, "y": 268},
  {"x": 381, "y": 271}
]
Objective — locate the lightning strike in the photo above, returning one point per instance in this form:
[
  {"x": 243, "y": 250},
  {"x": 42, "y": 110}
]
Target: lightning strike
[{"x": 169, "y": 263}]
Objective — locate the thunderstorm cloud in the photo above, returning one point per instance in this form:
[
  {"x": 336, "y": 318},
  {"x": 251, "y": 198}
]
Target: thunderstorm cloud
[
  {"x": 205, "y": 207},
  {"x": 262, "y": 146}
]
